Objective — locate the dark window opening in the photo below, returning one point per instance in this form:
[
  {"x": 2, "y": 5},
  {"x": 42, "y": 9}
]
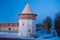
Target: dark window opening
[
  {"x": 23, "y": 24},
  {"x": 9, "y": 29},
  {"x": 28, "y": 30}
]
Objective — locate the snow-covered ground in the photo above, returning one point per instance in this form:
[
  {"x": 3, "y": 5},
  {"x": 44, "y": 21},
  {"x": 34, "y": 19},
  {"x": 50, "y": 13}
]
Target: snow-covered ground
[
  {"x": 12, "y": 35},
  {"x": 54, "y": 38},
  {"x": 42, "y": 35},
  {"x": 9, "y": 35}
]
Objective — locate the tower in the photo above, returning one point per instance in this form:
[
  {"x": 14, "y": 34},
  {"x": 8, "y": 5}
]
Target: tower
[{"x": 27, "y": 22}]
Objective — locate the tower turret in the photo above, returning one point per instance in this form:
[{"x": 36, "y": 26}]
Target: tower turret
[{"x": 27, "y": 22}]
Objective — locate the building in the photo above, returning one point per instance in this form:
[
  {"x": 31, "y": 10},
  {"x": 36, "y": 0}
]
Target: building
[{"x": 26, "y": 25}]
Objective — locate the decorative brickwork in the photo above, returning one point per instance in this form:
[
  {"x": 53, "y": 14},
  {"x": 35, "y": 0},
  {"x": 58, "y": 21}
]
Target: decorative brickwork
[
  {"x": 27, "y": 16},
  {"x": 9, "y": 24}
]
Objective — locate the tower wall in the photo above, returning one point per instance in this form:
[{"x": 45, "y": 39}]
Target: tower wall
[
  {"x": 27, "y": 27},
  {"x": 27, "y": 24}
]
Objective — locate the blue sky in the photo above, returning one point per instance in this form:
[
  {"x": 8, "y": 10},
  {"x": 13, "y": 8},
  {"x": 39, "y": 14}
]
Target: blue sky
[{"x": 9, "y": 9}]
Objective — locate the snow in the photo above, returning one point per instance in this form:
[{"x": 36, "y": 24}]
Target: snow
[
  {"x": 9, "y": 35},
  {"x": 42, "y": 35},
  {"x": 12, "y": 35},
  {"x": 55, "y": 38}
]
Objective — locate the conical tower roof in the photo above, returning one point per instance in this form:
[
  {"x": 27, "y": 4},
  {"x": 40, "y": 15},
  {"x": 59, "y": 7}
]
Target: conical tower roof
[{"x": 27, "y": 9}]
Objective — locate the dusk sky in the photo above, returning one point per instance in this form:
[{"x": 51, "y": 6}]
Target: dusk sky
[{"x": 9, "y": 9}]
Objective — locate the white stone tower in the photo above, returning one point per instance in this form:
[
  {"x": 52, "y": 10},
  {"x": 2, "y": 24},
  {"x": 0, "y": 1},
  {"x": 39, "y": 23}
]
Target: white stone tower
[{"x": 27, "y": 22}]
